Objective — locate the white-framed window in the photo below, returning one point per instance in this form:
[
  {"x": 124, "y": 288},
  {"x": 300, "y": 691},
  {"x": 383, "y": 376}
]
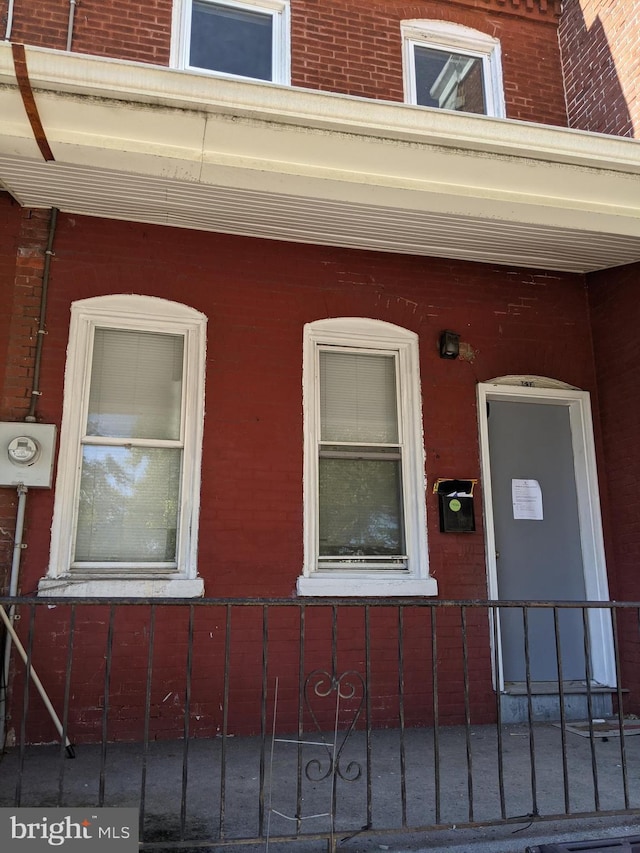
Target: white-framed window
[
  {"x": 128, "y": 482},
  {"x": 234, "y": 38},
  {"x": 451, "y": 67},
  {"x": 364, "y": 479}
]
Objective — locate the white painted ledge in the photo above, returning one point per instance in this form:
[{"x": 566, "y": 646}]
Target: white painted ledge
[
  {"x": 383, "y": 587},
  {"x": 121, "y": 587},
  {"x": 153, "y": 85},
  {"x": 150, "y": 144}
]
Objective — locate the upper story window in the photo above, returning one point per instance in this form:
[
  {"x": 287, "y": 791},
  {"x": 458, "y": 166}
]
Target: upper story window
[
  {"x": 364, "y": 486},
  {"x": 239, "y": 38},
  {"x": 451, "y": 67},
  {"x": 127, "y": 492}
]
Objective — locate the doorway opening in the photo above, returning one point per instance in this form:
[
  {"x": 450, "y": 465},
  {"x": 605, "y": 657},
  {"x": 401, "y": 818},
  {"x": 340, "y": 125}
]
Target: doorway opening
[{"x": 543, "y": 534}]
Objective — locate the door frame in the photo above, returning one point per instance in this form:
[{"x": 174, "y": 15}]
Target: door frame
[{"x": 533, "y": 390}]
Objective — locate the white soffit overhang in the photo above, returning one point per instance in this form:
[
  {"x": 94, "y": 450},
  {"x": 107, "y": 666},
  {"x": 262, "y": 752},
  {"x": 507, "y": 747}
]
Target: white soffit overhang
[{"x": 150, "y": 144}]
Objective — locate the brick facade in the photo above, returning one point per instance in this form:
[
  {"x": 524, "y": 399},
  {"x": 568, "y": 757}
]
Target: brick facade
[
  {"x": 138, "y": 30},
  {"x": 258, "y": 297},
  {"x": 259, "y": 294},
  {"x": 355, "y": 48},
  {"x": 22, "y": 250},
  {"x": 347, "y": 46},
  {"x": 601, "y": 48},
  {"x": 600, "y": 42},
  {"x": 613, "y": 298}
]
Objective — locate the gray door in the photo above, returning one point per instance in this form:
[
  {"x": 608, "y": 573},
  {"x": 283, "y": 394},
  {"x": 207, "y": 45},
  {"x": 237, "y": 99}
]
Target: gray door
[{"x": 541, "y": 558}]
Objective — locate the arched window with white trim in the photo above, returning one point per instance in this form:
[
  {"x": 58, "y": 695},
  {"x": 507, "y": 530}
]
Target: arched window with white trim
[
  {"x": 451, "y": 67},
  {"x": 128, "y": 484},
  {"x": 364, "y": 479}
]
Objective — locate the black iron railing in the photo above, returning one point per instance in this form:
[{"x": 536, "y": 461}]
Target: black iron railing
[{"x": 229, "y": 722}]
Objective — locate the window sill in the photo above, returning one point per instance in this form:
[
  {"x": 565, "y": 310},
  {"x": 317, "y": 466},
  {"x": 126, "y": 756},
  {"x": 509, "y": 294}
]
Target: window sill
[
  {"x": 82, "y": 587},
  {"x": 226, "y": 75},
  {"x": 340, "y": 586}
]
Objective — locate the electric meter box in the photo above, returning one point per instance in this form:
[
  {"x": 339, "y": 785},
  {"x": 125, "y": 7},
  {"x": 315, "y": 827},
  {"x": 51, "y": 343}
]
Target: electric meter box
[{"x": 26, "y": 454}]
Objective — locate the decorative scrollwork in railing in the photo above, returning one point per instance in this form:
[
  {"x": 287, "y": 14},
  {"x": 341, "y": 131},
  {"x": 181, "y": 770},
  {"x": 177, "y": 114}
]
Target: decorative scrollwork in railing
[{"x": 347, "y": 687}]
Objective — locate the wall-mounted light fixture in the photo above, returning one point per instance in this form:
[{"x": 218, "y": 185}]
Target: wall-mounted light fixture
[{"x": 449, "y": 344}]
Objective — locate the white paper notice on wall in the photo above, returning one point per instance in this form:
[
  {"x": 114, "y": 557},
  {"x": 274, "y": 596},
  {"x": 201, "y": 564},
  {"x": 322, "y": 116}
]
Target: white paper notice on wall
[{"x": 526, "y": 496}]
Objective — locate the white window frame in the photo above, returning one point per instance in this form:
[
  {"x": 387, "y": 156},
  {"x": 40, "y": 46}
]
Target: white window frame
[
  {"x": 371, "y": 336},
  {"x": 134, "y": 313},
  {"x": 444, "y": 35},
  {"x": 281, "y": 38}
]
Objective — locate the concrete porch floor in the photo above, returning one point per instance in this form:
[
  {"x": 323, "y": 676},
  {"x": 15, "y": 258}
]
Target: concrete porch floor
[{"x": 47, "y": 780}]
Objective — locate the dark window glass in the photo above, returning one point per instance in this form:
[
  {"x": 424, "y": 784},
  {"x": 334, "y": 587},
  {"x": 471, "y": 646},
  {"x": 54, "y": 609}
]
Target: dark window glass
[{"x": 235, "y": 41}]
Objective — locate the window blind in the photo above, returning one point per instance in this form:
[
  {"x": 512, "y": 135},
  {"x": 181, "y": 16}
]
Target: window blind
[
  {"x": 136, "y": 385},
  {"x": 358, "y": 398}
]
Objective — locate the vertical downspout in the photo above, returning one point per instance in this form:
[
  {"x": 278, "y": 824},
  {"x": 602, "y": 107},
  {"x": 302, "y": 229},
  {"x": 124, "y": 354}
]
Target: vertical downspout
[
  {"x": 72, "y": 13},
  {"x": 7, "y": 33}
]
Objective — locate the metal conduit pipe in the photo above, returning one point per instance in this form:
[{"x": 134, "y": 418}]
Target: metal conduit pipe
[
  {"x": 7, "y": 33},
  {"x": 72, "y": 13},
  {"x": 22, "y": 489},
  {"x": 17, "y": 540},
  {"x": 35, "y": 387},
  {"x": 13, "y": 591}
]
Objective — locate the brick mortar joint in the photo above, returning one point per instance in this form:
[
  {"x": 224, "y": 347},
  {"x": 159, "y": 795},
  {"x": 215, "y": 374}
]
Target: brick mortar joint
[
  {"x": 552, "y": 8},
  {"x": 545, "y": 8}
]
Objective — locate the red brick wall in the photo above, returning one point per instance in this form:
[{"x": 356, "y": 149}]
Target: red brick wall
[
  {"x": 258, "y": 295},
  {"x": 600, "y": 42},
  {"x": 355, "y": 47},
  {"x": 9, "y": 224},
  {"x": 348, "y": 46},
  {"x": 138, "y": 30},
  {"x": 24, "y": 236},
  {"x": 21, "y": 266},
  {"x": 615, "y": 313},
  {"x": 129, "y": 656}
]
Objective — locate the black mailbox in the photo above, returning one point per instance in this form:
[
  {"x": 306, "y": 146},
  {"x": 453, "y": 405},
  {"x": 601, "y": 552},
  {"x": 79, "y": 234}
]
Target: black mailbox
[{"x": 455, "y": 500}]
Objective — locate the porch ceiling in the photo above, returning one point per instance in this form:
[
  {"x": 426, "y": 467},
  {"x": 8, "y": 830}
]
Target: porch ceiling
[{"x": 150, "y": 144}]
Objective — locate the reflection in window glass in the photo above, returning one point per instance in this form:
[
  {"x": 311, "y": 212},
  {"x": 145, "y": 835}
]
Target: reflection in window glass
[
  {"x": 360, "y": 505},
  {"x": 231, "y": 40},
  {"x": 129, "y": 501},
  {"x": 451, "y": 81}
]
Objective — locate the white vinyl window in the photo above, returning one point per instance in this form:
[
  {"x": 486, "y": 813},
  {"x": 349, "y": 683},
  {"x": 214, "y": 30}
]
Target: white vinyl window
[
  {"x": 238, "y": 38},
  {"x": 451, "y": 67},
  {"x": 125, "y": 519},
  {"x": 364, "y": 486}
]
